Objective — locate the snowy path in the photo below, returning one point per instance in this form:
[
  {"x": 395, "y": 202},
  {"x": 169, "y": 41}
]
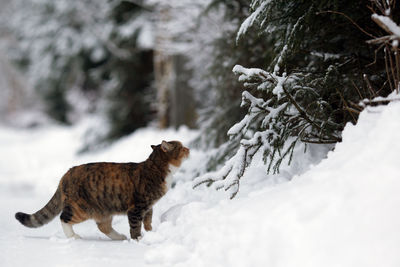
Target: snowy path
[
  {"x": 47, "y": 246},
  {"x": 31, "y": 164}
]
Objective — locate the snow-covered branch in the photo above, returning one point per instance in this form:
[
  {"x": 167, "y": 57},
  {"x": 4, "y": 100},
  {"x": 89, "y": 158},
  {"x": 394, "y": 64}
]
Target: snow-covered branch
[
  {"x": 228, "y": 176},
  {"x": 271, "y": 126},
  {"x": 392, "y": 57},
  {"x": 387, "y": 24},
  {"x": 251, "y": 20}
]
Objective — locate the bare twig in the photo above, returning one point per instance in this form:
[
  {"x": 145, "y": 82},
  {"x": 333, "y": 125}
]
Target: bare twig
[
  {"x": 345, "y": 104},
  {"x": 371, "y": 90},
  {"x": 381, "y": 40},
  {"x": 397, "y": 57},
  {"x": 352, "y": 110},
  {"x": 387, "y": 70},
  {"x": 375, "y": 55},
  {"x": 320, "y": 142},
  {"x": 347, "y": 17},
  {"x": 358, "y": 91},
  {"x": 395, "y": 81}
]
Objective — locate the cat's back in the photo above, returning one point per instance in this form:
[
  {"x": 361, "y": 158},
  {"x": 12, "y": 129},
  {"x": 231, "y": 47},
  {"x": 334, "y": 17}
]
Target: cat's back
[
  {"x": 98, "y": 174},
  {"x": 99, "y": 169},
  {"x": 99, "y": 188}
]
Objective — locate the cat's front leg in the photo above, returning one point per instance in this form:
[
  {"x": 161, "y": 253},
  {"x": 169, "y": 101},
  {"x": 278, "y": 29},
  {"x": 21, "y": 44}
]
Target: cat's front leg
[
  {"x": 147, "y": 219},
  {"x": 135, "y": 217}
]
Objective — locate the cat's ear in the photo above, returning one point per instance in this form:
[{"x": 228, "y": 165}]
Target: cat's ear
[
  {"x": 153, "y": 146},
  {"x": 165, "y": 146}
]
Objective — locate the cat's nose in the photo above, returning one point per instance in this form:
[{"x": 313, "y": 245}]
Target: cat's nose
[{"x": 187, "y": 150}]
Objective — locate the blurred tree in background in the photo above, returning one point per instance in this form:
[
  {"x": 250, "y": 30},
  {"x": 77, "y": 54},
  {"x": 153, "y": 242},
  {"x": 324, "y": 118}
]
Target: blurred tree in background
[
  {"x": 88, "y": 57},
  {"x": 206, "y": 37}
]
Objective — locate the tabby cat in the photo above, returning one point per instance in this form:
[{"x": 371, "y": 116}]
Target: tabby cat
[{"x": 100, "y": 190}]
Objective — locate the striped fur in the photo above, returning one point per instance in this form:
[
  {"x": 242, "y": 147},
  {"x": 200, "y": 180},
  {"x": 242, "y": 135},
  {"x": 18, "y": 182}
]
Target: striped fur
[
  {"x": 44, "y": 215},
  {"x": 100, "y": 190}
]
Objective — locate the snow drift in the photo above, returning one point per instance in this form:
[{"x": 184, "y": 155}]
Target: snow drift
[{"x": 343, "y": 211}]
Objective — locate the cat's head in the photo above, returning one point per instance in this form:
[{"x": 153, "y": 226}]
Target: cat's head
[{"x": 173, "y": 151}]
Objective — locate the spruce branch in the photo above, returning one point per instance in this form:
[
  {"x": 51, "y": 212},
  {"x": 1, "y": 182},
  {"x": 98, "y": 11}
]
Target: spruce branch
[
  {"x": 304, "y": 115},
  {"x": 228, "y": 176}
]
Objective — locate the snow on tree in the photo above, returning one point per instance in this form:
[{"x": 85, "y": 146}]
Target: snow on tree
[
  {"x": 389, "y": 42},
  {"x": 271, "y": 127},
  {"x": 309, "y": 90}
]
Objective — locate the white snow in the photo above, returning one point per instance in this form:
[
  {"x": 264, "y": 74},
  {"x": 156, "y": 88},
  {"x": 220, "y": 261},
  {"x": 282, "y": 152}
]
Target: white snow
[
  {"x": 31, "y": 164},
  {"x": 343, "y": 211},
  {"x": 325, "y": 56},
  {"x": 246, "y": 73},
  {"x": 249, "y": 21},
  {"x": 387, "y": 24}
]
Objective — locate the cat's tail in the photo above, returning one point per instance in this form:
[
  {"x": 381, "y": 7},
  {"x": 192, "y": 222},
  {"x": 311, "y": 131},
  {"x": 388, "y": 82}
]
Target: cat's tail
[{"x": 44, "y": 215}]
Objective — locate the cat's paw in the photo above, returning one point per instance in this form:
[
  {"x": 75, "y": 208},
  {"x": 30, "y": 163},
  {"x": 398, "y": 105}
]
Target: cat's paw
[
  {"x": 114, "y": 235},
  {"x": 136, "y": 237},
  {"x": 75, "y": 237},
  {"x": 148, "y": 227},
  {"x": 135, "y": 233},
  {"x": 122, "y": 237},
  {"x": 119, "y": 237}
]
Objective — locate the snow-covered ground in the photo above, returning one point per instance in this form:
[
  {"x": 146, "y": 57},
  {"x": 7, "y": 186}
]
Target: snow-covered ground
[
  {"x": 343, "y": 211},
  {"x": 31, "y": 165}
]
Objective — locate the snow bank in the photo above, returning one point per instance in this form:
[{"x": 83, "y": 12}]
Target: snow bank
[{"x": 342, "y": 212}]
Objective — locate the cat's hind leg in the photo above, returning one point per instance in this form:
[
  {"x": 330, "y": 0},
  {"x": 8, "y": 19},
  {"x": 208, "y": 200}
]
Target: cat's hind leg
[
  {"x": 70, "y": 216},
  {"x": 105, "y": 227},
  {"x": 69, "y": 231}
]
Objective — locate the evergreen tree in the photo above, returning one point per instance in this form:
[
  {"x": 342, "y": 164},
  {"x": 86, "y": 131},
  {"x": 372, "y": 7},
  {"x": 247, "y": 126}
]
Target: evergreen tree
[
  {"x": 307, "y": 93},
  {"x": 88, "y": 57},
  {"x": 219, "y": 92}
]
